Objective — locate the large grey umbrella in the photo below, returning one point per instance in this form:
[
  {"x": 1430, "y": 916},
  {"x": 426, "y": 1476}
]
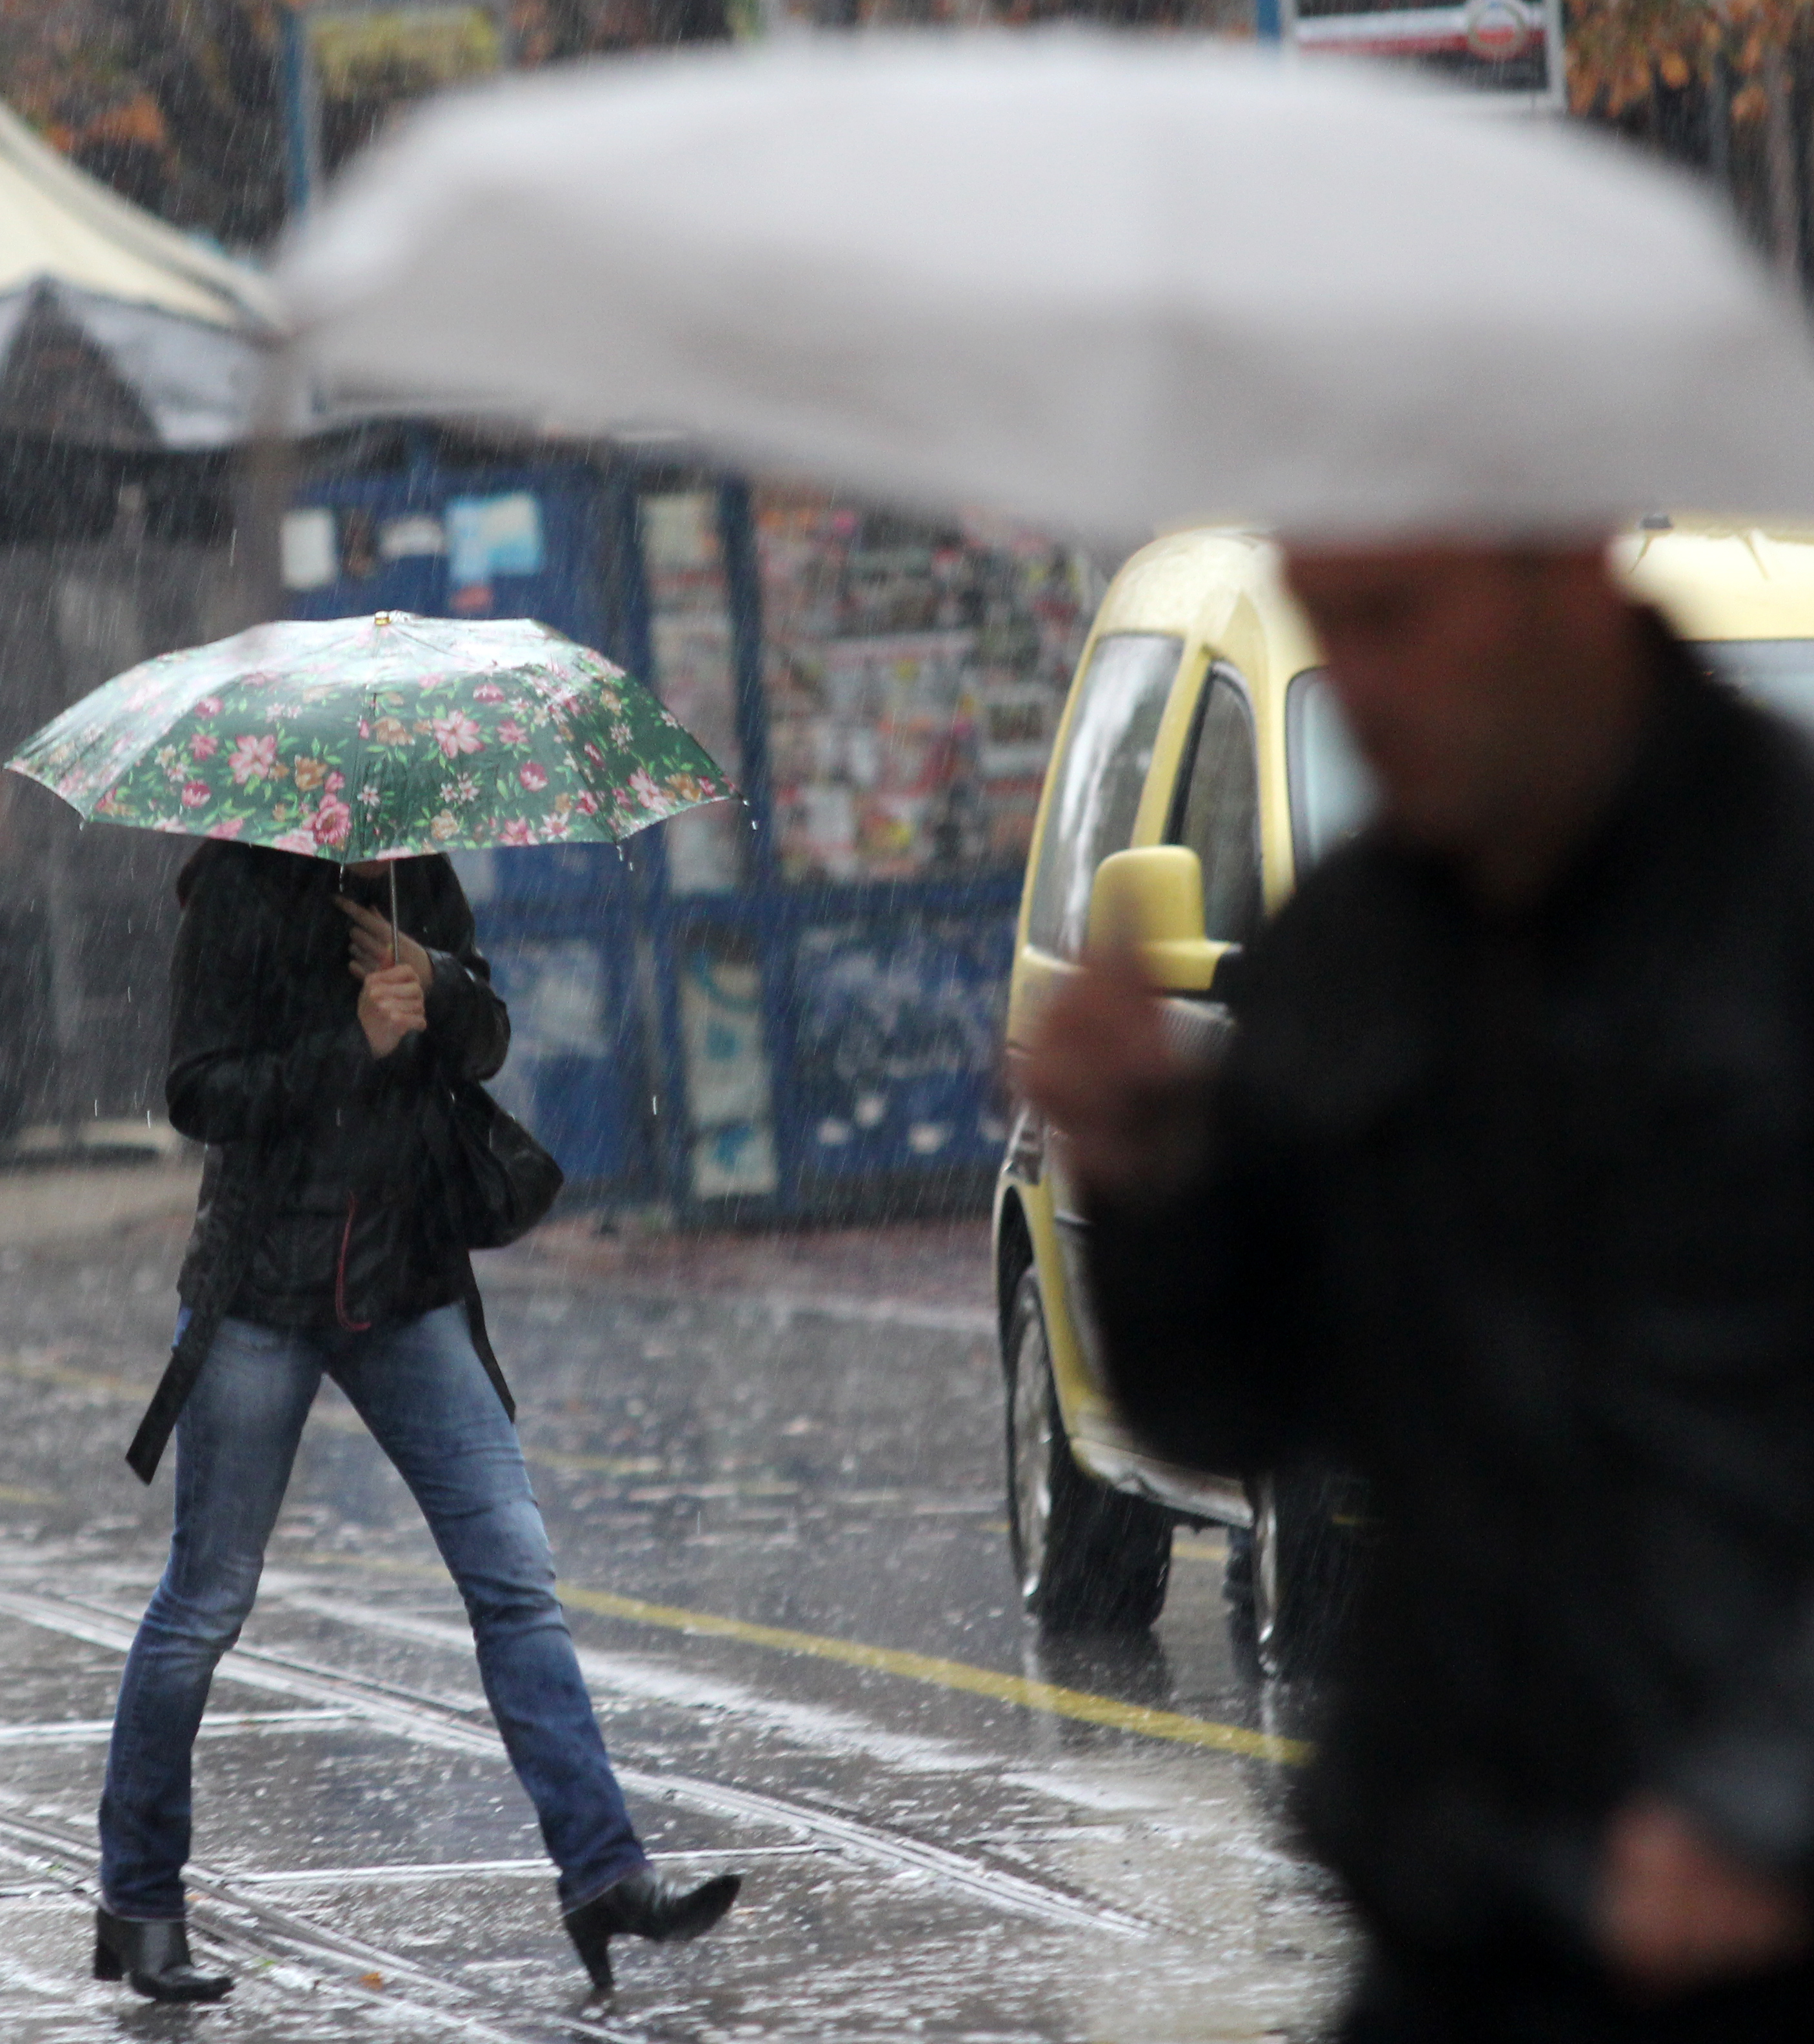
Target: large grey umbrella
[{"x": 1101, "y": 282}]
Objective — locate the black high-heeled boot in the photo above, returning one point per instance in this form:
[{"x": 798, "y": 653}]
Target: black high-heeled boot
[
  {"x": 643, "y": 1905},
  {"x": 153, "y": 1954}
]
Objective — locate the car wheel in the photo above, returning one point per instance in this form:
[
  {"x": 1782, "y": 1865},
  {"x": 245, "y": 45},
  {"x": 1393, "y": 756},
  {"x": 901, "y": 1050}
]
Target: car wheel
[
  {"x": 1086, "y": 1557},
  {"x": 1288, "y": 1579}
]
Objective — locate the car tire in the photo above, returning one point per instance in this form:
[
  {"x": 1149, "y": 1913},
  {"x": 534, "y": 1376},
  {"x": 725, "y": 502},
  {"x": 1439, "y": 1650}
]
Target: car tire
[
  {"x": 1087, "y": 1558},
  {"x": 1288, "y": 1579}
]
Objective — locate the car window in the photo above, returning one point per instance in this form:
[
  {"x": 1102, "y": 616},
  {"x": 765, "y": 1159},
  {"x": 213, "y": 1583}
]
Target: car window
[
  {"x": 1098, "y": 781},
  {"x": 1217, "y": 811},
  {"x": 1333, "y": 795},
  {"x": 1778, "y": 673}
]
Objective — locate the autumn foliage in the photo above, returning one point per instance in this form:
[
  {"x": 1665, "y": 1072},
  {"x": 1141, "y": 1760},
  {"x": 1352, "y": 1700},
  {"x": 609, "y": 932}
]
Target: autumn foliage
[
  {"x": 1619, "y": 51},
  {"x": 175, "y": 102}
]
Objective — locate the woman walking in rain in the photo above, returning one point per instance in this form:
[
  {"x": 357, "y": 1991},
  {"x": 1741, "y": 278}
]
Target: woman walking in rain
[{"x": 313, "y": 1064}]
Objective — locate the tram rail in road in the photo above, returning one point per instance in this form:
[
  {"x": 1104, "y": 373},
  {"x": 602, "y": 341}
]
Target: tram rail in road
[
  {"x": 779, "y": 1515},
  {"x": 429, "y": 1720},
  {"x": 231, "y": 1914}
]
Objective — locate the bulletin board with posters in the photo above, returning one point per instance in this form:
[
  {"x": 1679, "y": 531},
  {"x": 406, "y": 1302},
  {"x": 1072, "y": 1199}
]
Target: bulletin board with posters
[
  {"x": 886, "y": 690},
  {"x": 790, "y": 1004}
]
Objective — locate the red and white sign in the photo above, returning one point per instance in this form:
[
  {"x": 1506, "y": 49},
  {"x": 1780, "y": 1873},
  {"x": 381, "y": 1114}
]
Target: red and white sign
[{"x": 1509, "y": 47}]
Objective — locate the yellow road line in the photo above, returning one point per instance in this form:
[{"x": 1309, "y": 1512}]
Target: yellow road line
[
  {"x": 618, "y": 1465},
  {"x": 1055, "y": 1700},
  {"x": 1213, "y": 1553},
  {"x": 1082, "y": 1705}
]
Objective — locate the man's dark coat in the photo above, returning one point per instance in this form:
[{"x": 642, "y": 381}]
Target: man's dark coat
[
  {"x": 321, "y": 1205},
  {"x": 1515, "y": 1216}
]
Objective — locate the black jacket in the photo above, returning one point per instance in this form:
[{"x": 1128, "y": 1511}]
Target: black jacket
[
  {"x": 1516, "y": 1218},
  {"x": 322, "y": 1204}
]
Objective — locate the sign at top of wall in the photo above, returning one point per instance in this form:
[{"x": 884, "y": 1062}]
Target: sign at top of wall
[
  {"x": 1509, "y": 51},
  {"x": 396, "y": 49}
]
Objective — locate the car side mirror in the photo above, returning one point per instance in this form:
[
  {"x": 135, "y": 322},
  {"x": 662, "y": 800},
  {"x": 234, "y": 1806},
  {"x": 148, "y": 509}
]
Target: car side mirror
[{"x": 1153, "y": 898}]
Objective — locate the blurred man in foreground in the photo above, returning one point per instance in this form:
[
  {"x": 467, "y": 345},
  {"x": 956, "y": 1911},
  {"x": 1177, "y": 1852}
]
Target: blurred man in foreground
[{"x": 1505, "y": 1199}]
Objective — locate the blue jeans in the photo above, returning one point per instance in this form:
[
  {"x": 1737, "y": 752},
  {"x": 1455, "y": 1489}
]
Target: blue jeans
[{"x": 422, "y": 1390}]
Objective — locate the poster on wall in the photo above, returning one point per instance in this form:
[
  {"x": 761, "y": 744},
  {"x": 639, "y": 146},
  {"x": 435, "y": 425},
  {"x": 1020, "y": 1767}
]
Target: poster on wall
[
  {"x": 914, "y": 674},
  {"x": 1510, "y": 52},
  {"x": 733, "y": 1150},
  {"x": 692, "y": 639},
  {"x": 900, "y": 1030}
]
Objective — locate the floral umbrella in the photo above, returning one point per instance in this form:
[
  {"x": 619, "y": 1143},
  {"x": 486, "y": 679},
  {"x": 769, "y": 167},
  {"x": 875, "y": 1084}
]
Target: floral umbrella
[{"x": 378, "y": 737}]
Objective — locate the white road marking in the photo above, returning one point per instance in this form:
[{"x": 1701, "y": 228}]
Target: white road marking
[
  {"x": 489, "y": 1869},
  {"x": 878, "y": 1312},
  {"x": 247, "y": 1923},
  {"x": 785, "y": 1306},
  {"x": 84, "y": 1732},
  {"x": 634, "y": 1676},
  {"x": 435, "y": 1724}
]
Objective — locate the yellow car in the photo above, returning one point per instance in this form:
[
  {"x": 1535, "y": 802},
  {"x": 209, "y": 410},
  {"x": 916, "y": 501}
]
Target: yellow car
[{"x": 1201, "y": 764}]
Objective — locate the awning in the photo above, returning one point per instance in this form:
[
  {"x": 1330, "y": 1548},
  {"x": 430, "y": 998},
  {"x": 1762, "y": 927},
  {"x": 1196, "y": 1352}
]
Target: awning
[{"x": 116, "y": 329}]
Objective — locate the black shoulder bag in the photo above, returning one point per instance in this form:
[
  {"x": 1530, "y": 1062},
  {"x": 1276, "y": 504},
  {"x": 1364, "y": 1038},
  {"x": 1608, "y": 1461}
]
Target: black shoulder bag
[{"x": 499, "y": 1180}]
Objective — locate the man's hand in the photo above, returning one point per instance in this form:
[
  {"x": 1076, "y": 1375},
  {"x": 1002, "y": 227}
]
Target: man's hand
[
  {"x": 1100, "y": 1068},
  {"x": 391, "y": 1007},
  {"x": 1677, "y": 1912},
  {"x": 371, "y": 945}
]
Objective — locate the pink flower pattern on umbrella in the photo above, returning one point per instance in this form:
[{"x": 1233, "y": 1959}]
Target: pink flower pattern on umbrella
[
  {"x": 456, "y": 733},
  {"x": 253, "y": 759},
  {"x": 326, "y": 742},
  {"x": 333, "y": 822}
]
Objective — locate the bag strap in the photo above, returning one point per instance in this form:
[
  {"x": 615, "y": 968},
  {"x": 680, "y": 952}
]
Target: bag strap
[
  {"x": 482, "y": 1339},
  {"x": 243, "y": 1203},
  {"x": 437, "y": 1135}
]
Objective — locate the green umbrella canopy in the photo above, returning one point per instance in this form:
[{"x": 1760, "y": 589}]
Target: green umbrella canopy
[{"x": 378, "y": 737}]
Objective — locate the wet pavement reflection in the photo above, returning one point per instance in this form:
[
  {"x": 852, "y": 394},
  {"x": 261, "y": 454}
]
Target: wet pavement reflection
[{"x": 771, "y": 1470}]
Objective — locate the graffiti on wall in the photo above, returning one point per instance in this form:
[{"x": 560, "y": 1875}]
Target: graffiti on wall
[{"x": 899, "y": 1034}]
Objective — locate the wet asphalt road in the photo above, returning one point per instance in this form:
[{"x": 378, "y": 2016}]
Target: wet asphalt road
[{"x": 771, "y": 1474}]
